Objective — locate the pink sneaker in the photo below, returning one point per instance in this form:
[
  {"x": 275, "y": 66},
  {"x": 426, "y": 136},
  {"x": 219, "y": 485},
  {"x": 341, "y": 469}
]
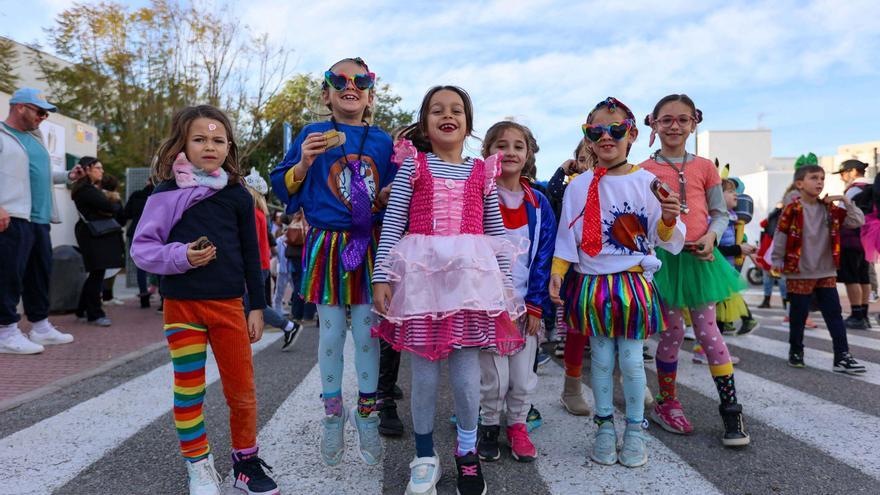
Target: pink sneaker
[
  {"x": 669, "y": 415},
  {"x": 521, "y": 446}
]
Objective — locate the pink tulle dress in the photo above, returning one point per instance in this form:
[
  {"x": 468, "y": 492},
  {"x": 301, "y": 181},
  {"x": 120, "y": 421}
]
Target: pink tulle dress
[
  {"x": 870, "y": 236},
  {"x": 448, "y": 290}
]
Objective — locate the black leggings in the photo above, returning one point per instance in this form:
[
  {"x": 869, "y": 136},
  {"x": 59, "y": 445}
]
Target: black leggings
[
  {"x": 90, "y": 297},
  {"x": 829, "y": 305}
]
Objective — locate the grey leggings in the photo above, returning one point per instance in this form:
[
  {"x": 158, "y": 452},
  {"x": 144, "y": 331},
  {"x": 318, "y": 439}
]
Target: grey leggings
[{"x": 464, "y": 376}]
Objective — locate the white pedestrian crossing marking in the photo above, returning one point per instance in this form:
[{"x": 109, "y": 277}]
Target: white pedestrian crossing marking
[
  {"x": 77, "y": 437},
  {"x": 822, "y": 334},
  {"x": 290, "y": 441},
  {"x": 814, "y": 358},
  {"x": 564, "y": 443},
  {"x": 843, "y": 433}
]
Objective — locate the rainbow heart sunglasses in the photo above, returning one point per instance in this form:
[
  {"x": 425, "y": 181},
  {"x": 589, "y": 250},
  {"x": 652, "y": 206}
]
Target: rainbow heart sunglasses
[
  {"x": 339, "y": 81},
  {"x": 617, "y": 130}
]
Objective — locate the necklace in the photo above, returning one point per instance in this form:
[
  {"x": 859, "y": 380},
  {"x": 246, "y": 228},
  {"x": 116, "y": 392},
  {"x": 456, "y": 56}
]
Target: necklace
[{"x": 682, "y": 180}]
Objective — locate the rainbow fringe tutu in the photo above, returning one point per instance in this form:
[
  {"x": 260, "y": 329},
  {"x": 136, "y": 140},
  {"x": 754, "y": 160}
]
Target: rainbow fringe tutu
[
  {"x": 615, "y": 305},
  {"x": 325, "y": 281}
]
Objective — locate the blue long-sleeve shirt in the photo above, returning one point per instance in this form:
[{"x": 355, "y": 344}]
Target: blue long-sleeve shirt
[{"x": 325, "y": 192}]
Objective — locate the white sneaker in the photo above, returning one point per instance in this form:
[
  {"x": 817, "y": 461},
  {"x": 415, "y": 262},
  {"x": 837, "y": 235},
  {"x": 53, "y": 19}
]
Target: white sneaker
[
  {"x": 17, "y": 343},
  {"x": 203, "y": 478},
  {"x": 424, "y": 475},
  {"x": 116, "y": 302},
  {"x": 50, "y": 337},
  {"x": 689, "y": 333}
]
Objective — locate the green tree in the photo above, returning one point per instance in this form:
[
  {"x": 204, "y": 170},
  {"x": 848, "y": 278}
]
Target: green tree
[
  {"x": 133, "y": 68},
  {"x": 8, "y": 58}
]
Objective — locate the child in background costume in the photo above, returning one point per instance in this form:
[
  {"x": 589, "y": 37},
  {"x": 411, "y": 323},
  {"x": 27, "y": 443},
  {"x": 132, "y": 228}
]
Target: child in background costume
[
  {"x": 698, "y": 277},
  {"x": 806, "y": 248},
  {"x": 507, "y": 382},
  {"x": 734, "y": 307},
  {"x": 203, "y": 284},
  {"x": 609, "y": 226},
  {"x": 257, "y": 187},
  {"x": 342, "y": 188},
  {"x": 445, "y": 287},
  {"x": 573, "y": 344}
]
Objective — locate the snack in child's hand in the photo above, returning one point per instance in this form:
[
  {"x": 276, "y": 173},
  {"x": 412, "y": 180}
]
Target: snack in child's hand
[
  {"x": 660, "y": 189},
  {"x": 204, "y": 243},
  {"x": 333, "y": 138}
]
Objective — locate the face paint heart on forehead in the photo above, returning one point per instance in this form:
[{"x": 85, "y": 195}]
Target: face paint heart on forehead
[{"x": 212, "y": 127}]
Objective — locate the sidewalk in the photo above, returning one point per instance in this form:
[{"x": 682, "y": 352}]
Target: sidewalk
[{"x": 135, "y": 332}]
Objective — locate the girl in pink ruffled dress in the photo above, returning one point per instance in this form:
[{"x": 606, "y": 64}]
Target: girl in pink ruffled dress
[{"x": 445, "y": 288}]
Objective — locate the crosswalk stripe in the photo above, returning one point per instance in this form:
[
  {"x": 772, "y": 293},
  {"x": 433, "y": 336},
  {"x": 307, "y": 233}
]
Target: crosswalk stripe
[
  {"x": 812, "y": 420},
  {"x": 822, "y": 334},
  {"x": 290, "y": 441},
  {"x": 825, "y": 360},
  {"x": 76, "y": 437},
  {"x": 564, "y": 444}
]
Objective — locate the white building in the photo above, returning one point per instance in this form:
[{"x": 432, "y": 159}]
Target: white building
[{"x": 766, "y": 177}]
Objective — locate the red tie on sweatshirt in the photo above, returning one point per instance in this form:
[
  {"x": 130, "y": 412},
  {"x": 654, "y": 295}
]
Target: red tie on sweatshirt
[{"x": 591, "y": 238}]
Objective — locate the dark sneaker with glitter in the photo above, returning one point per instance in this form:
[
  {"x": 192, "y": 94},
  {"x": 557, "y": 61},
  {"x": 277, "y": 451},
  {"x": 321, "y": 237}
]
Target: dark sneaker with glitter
[
  {"x": 470, "y": 475},
  {"x": 247, "y": 471}
]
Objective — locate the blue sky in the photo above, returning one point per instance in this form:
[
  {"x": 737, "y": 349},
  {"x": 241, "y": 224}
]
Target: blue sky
[{"x": 807, "y": 70}]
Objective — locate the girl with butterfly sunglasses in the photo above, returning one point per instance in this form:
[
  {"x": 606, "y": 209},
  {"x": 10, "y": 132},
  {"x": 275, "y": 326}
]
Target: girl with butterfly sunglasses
[
  {"x": 697, "y": 278},
  {"x": 339, "y": 172},
  {"x": 608, "y": 228}
]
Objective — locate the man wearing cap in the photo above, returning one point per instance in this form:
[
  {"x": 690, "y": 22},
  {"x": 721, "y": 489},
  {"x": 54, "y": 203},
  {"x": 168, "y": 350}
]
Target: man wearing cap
[
  {"x": 854, "y": 271},
  {"x": 26, "y": 208}
]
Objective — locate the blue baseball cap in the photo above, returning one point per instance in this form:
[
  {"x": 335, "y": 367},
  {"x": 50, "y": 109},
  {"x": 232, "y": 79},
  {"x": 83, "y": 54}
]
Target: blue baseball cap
[{"x": 31, "y": 96}]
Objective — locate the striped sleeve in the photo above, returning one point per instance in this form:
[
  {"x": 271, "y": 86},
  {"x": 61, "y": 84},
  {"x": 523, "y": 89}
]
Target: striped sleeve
[
  {"x": 493, "y": 223},
  {"x": 396, "y": 217}
]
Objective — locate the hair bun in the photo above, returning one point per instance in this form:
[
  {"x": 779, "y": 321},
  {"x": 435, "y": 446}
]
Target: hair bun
[
  {"x": 648, "y": 120},
  {"x": 699, "y": 115}
]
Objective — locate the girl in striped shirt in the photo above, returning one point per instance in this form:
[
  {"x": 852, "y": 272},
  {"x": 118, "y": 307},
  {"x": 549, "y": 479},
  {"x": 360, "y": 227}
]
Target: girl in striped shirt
[{"x": 444, "y": 288}]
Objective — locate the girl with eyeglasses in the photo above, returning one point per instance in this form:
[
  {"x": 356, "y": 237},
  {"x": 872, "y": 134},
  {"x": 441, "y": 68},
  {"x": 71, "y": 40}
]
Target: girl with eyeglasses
[
  {"x": 608, "y": 229},
  {"x": 697, "y": 278},
  {"x": 339, "y": 172}
]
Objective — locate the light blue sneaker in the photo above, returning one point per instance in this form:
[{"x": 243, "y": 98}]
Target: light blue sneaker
[
  {"x": 634, "y": 452},
  {"x": 605, "y": 444},
  {"x": 424, "y": 473},
  {"x": 368, "y": 436},
  {"x": 333, "y": 440}
]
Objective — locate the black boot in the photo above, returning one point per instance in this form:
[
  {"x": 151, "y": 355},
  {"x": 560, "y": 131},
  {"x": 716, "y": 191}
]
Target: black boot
[
  {"x": 389, "y": 422},
  {"x": 785, "y": 304},
  {"x": 765, "y": 303},
  {"x": 145, "y": 301},
  {"x": 487, "y": 442},
  {"x": 734, "y": 430}
]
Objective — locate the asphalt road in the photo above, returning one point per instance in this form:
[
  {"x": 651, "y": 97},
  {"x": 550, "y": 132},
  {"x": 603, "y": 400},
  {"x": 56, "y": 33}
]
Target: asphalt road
[{"x": 813, "y": 431}]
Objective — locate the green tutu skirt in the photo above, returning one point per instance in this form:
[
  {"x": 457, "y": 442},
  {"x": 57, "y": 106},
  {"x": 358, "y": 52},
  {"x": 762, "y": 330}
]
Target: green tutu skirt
[{"x": 686, "y": 281}]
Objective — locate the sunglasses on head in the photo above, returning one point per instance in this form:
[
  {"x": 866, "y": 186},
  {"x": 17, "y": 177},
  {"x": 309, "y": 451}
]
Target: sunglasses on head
[
  {"x": 668, "y": 120},
  {"x": 41, "y": 112},
  {"x": 339, "y": 81},
  {"x": 617, "y": 130}
]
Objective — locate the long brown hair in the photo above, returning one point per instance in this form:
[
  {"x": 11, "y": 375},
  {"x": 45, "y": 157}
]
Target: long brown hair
[
  {"x": 418, "y": 132},
  {"x": 175, "y": 143},
  {"x": 494, "y": 133}
]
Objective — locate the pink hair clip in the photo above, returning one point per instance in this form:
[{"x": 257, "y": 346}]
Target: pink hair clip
[{"x": 402, "y": 150}]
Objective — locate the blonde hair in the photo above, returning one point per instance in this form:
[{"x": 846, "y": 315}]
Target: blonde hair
[{"x": 259, "y": 200}]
